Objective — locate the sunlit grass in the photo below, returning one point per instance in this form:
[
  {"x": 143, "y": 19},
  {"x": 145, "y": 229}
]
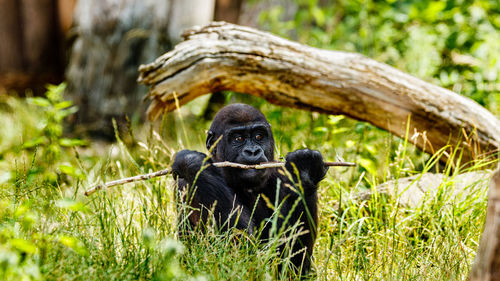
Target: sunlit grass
[{"x": 49, "y": 229}]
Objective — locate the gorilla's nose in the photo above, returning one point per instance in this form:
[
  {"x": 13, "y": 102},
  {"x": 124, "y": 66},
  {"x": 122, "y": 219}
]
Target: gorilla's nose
[{"x": 253, "y": 154}]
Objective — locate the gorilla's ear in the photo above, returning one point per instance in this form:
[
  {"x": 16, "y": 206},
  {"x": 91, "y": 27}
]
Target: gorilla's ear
[{"x": 210, "y": 139}]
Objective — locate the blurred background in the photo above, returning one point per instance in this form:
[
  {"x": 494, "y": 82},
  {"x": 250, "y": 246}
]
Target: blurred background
[{"x": 96, "y": 46}]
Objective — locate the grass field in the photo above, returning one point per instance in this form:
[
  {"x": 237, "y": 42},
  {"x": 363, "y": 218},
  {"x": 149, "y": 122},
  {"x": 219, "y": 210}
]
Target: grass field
[{"x": 50, "y": 230}]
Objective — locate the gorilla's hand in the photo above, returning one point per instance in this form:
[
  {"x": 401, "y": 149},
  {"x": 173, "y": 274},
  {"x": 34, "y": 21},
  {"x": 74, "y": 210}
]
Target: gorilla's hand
[
  {"x": 309, "y": 163},
  {"x": 187, "y": 163}
]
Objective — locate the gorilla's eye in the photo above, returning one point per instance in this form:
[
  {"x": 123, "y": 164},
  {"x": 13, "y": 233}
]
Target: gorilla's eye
[
  {"x": 239, "y": 139},
  {"x": 259, "y": 137}
]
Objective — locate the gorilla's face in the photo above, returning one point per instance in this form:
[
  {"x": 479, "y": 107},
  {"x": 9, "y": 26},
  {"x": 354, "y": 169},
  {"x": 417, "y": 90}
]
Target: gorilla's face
[
  {"x": 247, "y": 144},
  {"x": 250, "y": 144},
  {"x": 246, "y": 139}
]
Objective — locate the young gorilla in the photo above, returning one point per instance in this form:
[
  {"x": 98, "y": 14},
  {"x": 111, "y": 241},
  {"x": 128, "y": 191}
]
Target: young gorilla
[{"x": 233, "y": 194}]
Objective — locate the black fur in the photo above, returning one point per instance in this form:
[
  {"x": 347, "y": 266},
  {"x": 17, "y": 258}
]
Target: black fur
[{"x": 242, "y": 134}]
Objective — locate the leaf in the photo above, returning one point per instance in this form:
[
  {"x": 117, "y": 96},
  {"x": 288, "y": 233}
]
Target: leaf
[
  {"x": 350, "y": 143},
  {"x": 63, "y": 104},
  {"x": 61, "y": 114},
  {"x": 320, "y": 130},
  {"x": 318, "y": 15},
  {"x": 433, "y": 10},
  {"x": 72, "y": 205},
  {"x": 54, "y": 92},
  {"x": 371, "y": 148},
  {"x": 71, "y": 171},
  {"x": 66, "y": 169},
  {"x": 72, "y": 142},
  {"x": 368, "y": 165},
  {"x": 39, "y": 101},
  {"x": 334, "y": 119},
  {"x": 34, "y": 142},
  {"x": 74, "y": 244},
  {"x": 340, "y": 130},
  {"x": 23, "y": 245}
]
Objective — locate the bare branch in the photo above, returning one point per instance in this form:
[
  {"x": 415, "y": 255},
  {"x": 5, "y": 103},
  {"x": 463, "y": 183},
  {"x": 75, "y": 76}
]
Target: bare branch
[
  {"x": 273, "y": 165},
  {"x": 128, "y": 180},
  {"x": 218, "y": 165}
]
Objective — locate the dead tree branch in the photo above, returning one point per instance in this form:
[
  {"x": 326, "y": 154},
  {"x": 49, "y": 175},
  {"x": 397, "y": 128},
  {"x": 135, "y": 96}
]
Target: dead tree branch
[
  {"x": 222, "y": 56},
  {"x": 127, "y": 180},
  {"x": 218, "y": 165},
  {"x": 274, "y": 165}
]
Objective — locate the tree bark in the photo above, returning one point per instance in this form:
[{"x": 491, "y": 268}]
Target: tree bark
[
  {"x": 487, "y": 262},
  {"x": 113, "y": 37},
  {"x": 221, "y": 56},
  {"x": 227, "y": 10},
  {"x": 32, "y": 49},
  {"x": 186, "y": 13},
  {"x": 11, "y": 49},
  {"x": 413, "y": 190}
]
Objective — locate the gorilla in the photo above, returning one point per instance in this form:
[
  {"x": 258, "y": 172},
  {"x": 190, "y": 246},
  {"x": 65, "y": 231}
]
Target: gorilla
[{"x": 237, "y": 197}]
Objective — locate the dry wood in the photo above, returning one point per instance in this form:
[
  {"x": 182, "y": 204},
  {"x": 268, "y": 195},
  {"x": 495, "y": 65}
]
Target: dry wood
[
  {"x": 127, "y": 180},
  {"x": 222, "y": 56},
  {"x": 274, "y": 165},
  {"x": 487, "y": 262},
  {"x": 413, "y": 190},
  {"x": 218, "y": 165}
]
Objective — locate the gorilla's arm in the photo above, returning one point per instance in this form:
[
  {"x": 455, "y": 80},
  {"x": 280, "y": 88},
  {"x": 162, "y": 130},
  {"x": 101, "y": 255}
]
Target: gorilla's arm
[
  {"x": 202, "y": 190},
  {"x": 187, "y": 163},
  {"x": 311, "y": 170}
]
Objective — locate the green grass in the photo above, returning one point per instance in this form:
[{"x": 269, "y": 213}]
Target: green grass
[{"x": 50, "y": 230}]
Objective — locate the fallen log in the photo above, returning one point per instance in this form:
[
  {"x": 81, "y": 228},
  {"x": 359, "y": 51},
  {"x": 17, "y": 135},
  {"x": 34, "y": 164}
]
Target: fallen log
[
  {"x": 486, "y": 265},
  {"x": 413, "y": 190},
  {"x": 221, "y": 56}
]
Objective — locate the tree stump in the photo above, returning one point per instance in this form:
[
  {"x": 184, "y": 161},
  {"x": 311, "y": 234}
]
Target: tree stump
[
  {"x": 487, "y": 262},
  {"x": 112, "y": 38}
]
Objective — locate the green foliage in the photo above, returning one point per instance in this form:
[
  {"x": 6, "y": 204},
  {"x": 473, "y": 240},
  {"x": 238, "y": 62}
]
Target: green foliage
[
  {"x": 49, "y": 231},
  {"x": 54, "y": 110},
  {"x": 39, "y": 125},
  {"x": 17, "y": 254},
  {"x": 453, "y": 43}
]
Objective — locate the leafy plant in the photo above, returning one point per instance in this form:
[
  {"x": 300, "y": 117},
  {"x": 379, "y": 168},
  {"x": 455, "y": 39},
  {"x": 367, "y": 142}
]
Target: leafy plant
[{"x": 55, "y": 109}]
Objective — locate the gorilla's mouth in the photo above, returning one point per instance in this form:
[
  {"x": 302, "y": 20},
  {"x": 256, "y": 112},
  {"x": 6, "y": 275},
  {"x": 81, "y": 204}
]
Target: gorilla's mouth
[
  {"x": 250, "y": 162},
  {"x": 252, "y": 176},
  {"x": 252, "y": 171},
  {"x": 242, "y": 160}
]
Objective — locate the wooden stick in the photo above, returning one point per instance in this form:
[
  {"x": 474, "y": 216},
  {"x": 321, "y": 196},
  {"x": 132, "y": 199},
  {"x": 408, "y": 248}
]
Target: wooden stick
[
  {"x": 273, "y": 165},
  {"x": 127, "y": 180},
  {"x": 218, "y": 165}
]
